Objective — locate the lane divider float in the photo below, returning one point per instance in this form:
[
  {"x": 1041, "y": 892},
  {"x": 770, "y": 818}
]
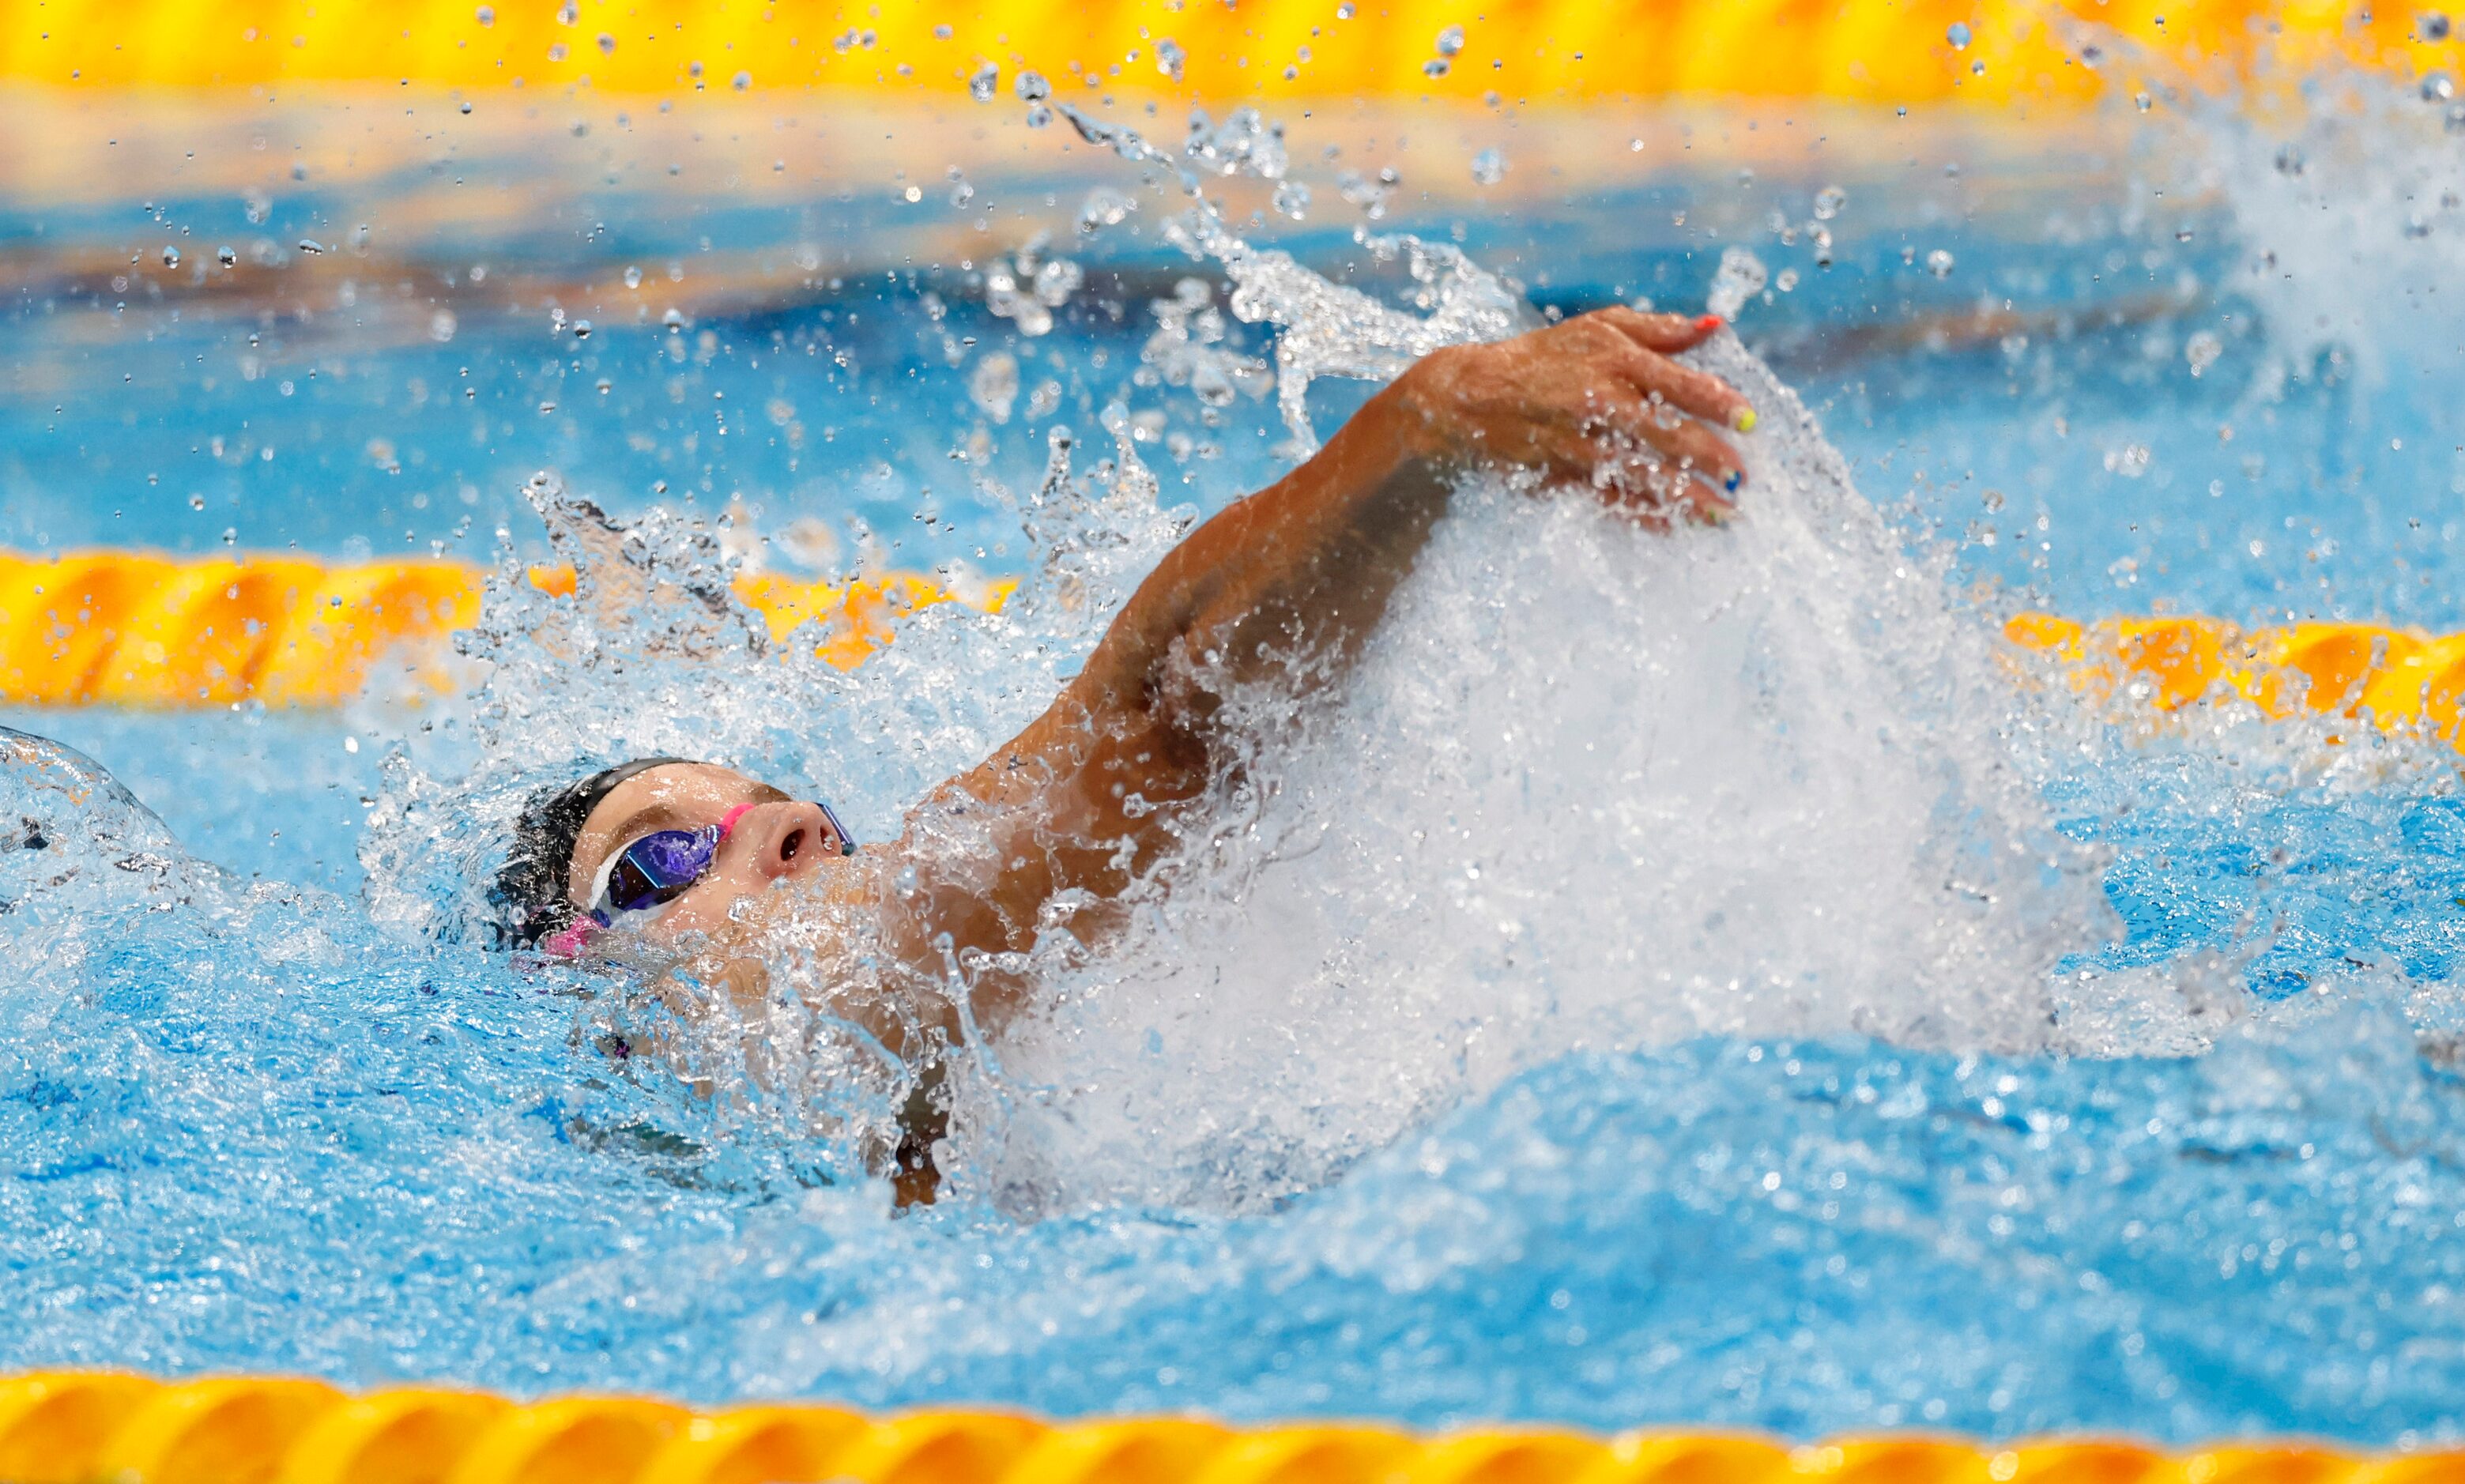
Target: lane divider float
[
  {"x": 1986, "y": 52},
  {"x": 133, "y": 629},
  {"x": 83, "y": 1427}
]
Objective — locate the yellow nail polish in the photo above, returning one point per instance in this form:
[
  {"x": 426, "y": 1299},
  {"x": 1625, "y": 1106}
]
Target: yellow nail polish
[{"x": 1744, "y": 420}]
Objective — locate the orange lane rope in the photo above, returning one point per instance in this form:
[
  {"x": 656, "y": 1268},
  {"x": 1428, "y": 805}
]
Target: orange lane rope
[
  {"x": 73, "y": 1427},
  {"x": 130, "y": 628},
  {"x": 1987, "y": 53}
]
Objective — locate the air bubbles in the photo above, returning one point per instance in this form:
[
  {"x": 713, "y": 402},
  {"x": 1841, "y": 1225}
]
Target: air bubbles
[
  {"x": 311, "y": 245},
  {"x": 1939, "y": 262},
  {"x": 441, "y": 325},
  {"x": 1435, "y": 67},
  {"x": 487, "y": 15},
  {"x": 1170, "y": 59},
  {"x": 171, "y": 256},
  {"x": 569, "y": 13},
  {"x": 984, "y": 83},
  {"x": 1489, "y": 167},
  {"x": 2291, "y": 161},
  {"x": 1829, "y": 202},
  {"x": 466, "y": 105},
  {"x": 2142, "y": 102},
  {"x": 606, "y": 44},
  {"x": 2130, "y": 461},
  {"x": 196, "y": 502},
  {"x": 741, "y": 81},
  {"x": 1451, "y": 41},
  {"x": 1292, "y": 199},
  {"x": 1958, "y": 36},
  {"x": 581, "y": 329},
  {"x": 226, "y": 255},
  {"x": 943, "y": 32},
  {"x": 2437, "y": 87},
  {"x": 2431, "y": 26},
  {"x": 633, "y": 278}
]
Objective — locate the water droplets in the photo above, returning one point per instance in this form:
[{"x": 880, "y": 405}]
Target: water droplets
[
  {"x": 633, "y": 278},
  {"x": 2431, "y": 26},
  {"x": 486, "y": 15},
  {"x": 441, "y": 325},
  {"x": 1292, "y": 199},
  {"x": 1741, "y": 276},
  {"x": 1489, "y": 167},
  {"x": 1958, "y": 35},
  {"x": 226, "y": 255},
  {"x": 606, "y": 44},
  {"x": 1939, "y": 263},
  {"x": 1033, "y": 90},
  {"x": 1104, "y": 206},
  {"x": 743, "y": 82},
  {"x": 984, "y": 82},
  {"x": 994, "y": 385},
  {"x": 2437, "y": 87},
  {"x": 2202, "y": 350},
  {"x": 171, "y": 256},
  {"x": 1170, "y": 59},
  {"x": 1829, "y": 202},
  {"x": 1435, "y": 67},
  {"x": 1451, "y": 41}
]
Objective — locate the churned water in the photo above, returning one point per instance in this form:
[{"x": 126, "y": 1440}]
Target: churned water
[{"x": 1680, "y": 979}]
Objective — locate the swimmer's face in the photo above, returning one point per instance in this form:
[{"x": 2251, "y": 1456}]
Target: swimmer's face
[{"x": 774, "y": 838}]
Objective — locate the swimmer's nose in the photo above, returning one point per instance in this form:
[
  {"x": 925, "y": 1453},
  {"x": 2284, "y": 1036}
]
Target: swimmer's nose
[{"x": 782, "y": 839}]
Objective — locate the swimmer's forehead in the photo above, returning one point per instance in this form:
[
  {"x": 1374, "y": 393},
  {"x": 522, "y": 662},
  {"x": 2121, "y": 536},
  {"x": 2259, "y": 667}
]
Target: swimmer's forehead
[{"x": 671, "y": 796}]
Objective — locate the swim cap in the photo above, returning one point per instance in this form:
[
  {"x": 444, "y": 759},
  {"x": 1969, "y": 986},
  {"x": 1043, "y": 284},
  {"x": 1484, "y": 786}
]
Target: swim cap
[{"x": 530, "y": 894}]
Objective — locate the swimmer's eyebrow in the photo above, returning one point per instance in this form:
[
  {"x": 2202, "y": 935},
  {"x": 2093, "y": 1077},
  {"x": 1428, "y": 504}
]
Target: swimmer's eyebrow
[{"x": 660, "y": 814}]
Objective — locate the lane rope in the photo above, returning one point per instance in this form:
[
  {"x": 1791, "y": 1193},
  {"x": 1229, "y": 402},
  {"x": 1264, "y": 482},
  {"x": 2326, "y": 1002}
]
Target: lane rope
[
  {"x": 130, "y": 628},
  {"x": 80, "y": 1427},
  {"x": 133, "y": 629},
  {"x": 1987, "y": 53}
]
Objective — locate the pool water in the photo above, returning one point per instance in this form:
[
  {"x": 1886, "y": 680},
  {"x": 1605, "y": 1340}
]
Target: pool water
[{"x": 1692, "y": 1101}]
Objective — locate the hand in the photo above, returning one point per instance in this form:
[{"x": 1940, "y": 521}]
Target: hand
[{"x": 1594, "y": 401}]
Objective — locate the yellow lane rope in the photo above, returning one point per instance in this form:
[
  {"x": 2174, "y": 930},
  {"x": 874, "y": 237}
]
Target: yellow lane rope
[
  {"x": 130, "y": 628},
  {"x": 1541, "y": 51},
  {"x": 75, "y": 1428}
]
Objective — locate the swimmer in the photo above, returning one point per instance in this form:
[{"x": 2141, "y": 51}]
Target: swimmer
[{"x": 1281, "y": 587}]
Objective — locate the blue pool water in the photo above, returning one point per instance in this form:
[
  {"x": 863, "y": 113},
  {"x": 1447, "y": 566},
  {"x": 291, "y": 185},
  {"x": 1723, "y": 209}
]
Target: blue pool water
[{"x": 2173, "y": 1145}]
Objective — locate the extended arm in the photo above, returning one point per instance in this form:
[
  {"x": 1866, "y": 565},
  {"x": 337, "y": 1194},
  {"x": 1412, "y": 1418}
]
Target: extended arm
[{"x": 1291, "y": 579}]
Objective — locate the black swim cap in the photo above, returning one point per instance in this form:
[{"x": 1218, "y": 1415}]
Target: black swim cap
[{"x": 530, "y": 894}]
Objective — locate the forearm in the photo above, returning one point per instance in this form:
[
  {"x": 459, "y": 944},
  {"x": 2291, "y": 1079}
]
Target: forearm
[{"x": 1303, "y": 568}]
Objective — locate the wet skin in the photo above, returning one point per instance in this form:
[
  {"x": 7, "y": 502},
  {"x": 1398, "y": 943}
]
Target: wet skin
[{"x": 1282, "y": 585}]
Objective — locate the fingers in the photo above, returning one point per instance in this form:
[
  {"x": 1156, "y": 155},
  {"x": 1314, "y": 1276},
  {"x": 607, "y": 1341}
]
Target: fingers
[
  {"x": 1682, "y": 387},
  {"x": 1665, "y": 333},
  {"x": 1683, "y": 442}
]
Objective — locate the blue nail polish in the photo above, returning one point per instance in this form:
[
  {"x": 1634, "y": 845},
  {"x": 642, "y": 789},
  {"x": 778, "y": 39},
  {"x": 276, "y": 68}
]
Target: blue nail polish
[{"x": 1735, "y": 480}]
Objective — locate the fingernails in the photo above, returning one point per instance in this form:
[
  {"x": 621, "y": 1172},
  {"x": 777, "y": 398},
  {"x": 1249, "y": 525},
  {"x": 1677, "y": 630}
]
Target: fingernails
[
  {"x": 1737, "y": 476},
  {"x": 1710, "y": 323},
  {"x": 1743, "y": 419}
]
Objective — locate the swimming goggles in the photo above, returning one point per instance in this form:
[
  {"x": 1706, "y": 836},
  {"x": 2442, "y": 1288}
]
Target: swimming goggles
[{"x": 663, "y": 866}]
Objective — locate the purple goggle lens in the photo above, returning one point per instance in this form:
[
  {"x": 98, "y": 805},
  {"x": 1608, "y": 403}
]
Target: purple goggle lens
[
  {"x": 663, "y": 864},
  {"x": 660, "y": 867}
]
